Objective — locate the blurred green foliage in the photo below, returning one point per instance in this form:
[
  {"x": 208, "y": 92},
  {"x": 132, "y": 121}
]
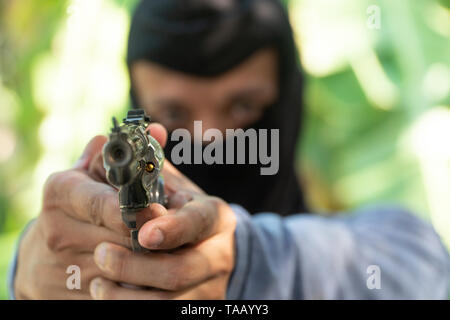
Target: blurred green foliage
[
  {"x": 376, "y": 101},
  {"x": 18, "y": 110}
]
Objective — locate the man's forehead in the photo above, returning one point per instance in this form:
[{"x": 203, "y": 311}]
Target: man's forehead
[{"x": 262, "y": 61}]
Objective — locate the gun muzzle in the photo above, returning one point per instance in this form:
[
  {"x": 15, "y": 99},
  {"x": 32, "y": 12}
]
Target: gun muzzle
[{"x": 118, "y": 156}]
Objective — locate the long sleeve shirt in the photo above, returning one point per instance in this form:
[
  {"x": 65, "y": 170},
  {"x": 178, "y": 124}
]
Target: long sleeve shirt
[{"x": 376, "y": 253}]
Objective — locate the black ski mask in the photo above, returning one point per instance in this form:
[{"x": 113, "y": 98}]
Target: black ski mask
[{"x": 207, "y": 38}]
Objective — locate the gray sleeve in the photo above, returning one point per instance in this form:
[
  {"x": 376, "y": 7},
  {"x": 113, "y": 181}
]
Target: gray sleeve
[
  {"x": 376, "y": 253},
  {"x": 13, "y": 266}
]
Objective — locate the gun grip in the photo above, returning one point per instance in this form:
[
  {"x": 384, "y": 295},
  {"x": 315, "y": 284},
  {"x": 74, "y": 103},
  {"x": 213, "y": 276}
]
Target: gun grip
[{"x": 135, "y": 243}]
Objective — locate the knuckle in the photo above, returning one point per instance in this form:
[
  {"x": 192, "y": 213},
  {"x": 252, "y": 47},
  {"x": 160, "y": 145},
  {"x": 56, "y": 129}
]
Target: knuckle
[
  {"x": 207, "y": 216},
  {"x": 50, "y": 188},
  {"x": 116, "y": 223},
  {"x": 217, "y": 206},
  {"x": 56, "y": 231},
  {"x": 53, "y": 226},
  {"x": 52, "y": 231},
  {"x": 204, "y": 224},
  {"x": 227, "y": 265},
  {"x": 94, "y": 208},
  {"x": 176, "y": 277},
  {"x": 56, "y": 183},
  {"x": 54, "y": 240},
  {"x": 111, "y": 202},
  {"x": 224, "y": 212},
  {"x": 216, "y": 202},
  {"x": 102, "y": 203}
]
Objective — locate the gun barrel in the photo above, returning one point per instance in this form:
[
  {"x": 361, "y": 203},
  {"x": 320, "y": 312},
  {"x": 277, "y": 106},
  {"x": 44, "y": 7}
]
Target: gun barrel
[
  {"x": 119, "y": 161},
  {"x": 118, "y": 153}
]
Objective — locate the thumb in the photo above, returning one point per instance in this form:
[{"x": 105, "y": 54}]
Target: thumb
[
  {"x": 93, "y": 147},
  {"x": 158, "y": 132}
]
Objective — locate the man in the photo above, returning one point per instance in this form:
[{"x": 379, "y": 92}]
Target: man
[
  {"x": 220, "y": 251},
  {"x": 230, "y": 64}
]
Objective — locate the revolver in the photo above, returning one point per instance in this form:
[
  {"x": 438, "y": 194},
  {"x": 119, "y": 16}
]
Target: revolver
[{"x": 133, "y": 161}]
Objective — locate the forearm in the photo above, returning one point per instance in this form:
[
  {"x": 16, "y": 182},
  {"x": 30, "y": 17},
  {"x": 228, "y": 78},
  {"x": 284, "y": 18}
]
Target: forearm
[{"x": 312, "y": 257}]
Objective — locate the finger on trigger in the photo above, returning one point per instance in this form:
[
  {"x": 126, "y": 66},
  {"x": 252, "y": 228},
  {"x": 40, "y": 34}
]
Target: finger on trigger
[{"x": 92, "y": 148}]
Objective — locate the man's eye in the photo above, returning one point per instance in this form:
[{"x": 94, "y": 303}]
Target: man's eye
[
  {"x": 173, "y": 114},
  {"x": 172, "y": 117},
  {"x": 241, "y": 109}
]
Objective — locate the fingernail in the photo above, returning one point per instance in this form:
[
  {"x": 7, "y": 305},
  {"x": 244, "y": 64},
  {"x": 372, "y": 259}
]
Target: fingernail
[
  {"x": 155, "y": 238},
  {"x": 101, "y": 256},
  {"x": 96, "y": 289}
]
